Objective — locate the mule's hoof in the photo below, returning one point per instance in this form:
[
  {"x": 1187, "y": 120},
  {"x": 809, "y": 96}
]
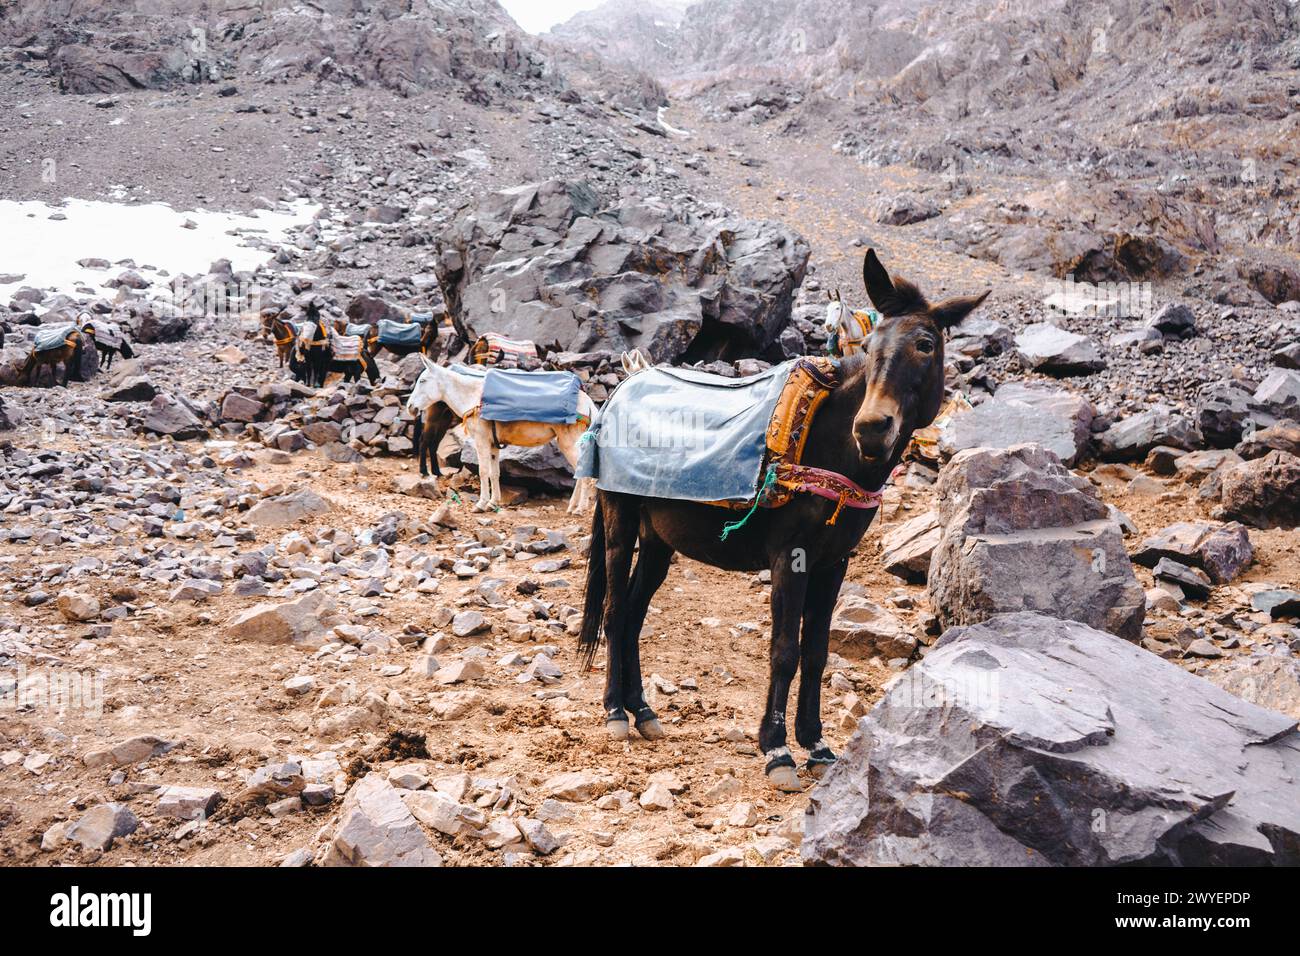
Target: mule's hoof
[
  {"x": 651, "y": 729},
  {"x": 820, "y": 759},
  {"x": 619, "y": 730},
  {"x": 818, "y": 768},
  {"x": 784, "y": 778},
  {"x": 780, "y": 771}
]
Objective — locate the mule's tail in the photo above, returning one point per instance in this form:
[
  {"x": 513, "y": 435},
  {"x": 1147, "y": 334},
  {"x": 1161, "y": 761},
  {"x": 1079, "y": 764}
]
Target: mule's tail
[{"x": 593, "y": 608}]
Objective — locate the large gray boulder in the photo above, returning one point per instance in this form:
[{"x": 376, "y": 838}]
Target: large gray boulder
[
  {"x": 1021, "y": 532},
  {"x": 1054, "y": 418},
  {"x": 1028, "y": 740},
  {"x": 549, "y": 262}
]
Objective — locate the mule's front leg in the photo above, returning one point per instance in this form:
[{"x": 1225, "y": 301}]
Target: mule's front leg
[
  {"x": 823, "y": 590},
  {"x": 789, "y": 588},
  {"x": 483, "y": 449}
]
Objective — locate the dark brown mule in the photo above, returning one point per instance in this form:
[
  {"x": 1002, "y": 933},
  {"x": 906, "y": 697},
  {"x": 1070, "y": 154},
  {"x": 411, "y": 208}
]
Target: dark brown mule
[
  {"x": 68, "y": 354},
  {"x": 429, "y": 431},
  {"x": 886, "y": 392},
  {"x": 283, "y": 334},
  {"x": 311, "y": 355},
  {"x": 429, "y": 343}
]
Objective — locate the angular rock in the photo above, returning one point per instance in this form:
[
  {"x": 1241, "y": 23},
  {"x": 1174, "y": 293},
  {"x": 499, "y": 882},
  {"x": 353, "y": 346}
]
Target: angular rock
[
  {"x": 376, "y": 828},
  {"x": 137, "y": 388},
  {"x": 287, "y": 509},
  {"x": 1223, "y": 551},
  {"x": 1174, "y": 320},
  {"x": 466, "y": 623},
  {"x": 547, "y": 263},
  {"x": 188, "y": 803},
  {"x": 1284, "y": 436},
  {"x": 862, "y": 627},
  {"x": 442, "y": 813},
  {"x": 1279, "y": 393},
  {"x": 99, "y": 826},
  {"x": 1052, "y": 350},
  {"x": 1132, "y": 438},
  {"x": 1223, "y": 410},
  {"x": 535, "y": 832},
  {"x": 168, "y": 415},
  {"x": 1192, "y": 581},
  {"x": 1021, "y": 532},
  {"x": 240, "y": 408},
  {"x": 1277, "y": 602},
  {"x": 1264, "y": 493},
  {"x": 577, "y": 786},
  {"x": 308, "y": 620},
  {"x": 1272, "y": 682},
  {"x": 130, "y": 751},
  {"x": 906, "y": 548},
  {"x": 1028, "y": 740},
  {"x": 78, "y": 606},
  {"x": 1002, "y": 422}
]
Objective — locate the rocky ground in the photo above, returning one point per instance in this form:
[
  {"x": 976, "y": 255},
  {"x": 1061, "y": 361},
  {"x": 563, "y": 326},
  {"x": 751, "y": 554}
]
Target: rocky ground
[{"x": 290, "y": 649}]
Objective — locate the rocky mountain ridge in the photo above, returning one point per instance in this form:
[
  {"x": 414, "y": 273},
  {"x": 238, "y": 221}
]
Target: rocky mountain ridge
[{"x": 402, "y": 45}]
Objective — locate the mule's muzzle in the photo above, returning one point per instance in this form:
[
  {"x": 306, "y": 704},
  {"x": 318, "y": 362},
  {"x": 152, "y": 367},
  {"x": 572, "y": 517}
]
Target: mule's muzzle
[{"x": 874, "y": 433}]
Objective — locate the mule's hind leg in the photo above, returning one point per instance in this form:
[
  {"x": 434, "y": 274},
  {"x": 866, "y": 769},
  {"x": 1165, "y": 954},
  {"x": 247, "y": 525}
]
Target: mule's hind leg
[
  {"x": 823, "y": 589},
  {"x": 651, "y": 568},
  {"x": 620, "y": 519},
  {"x": 566, "y": 439},
  {"x": 789, "y": 589}
]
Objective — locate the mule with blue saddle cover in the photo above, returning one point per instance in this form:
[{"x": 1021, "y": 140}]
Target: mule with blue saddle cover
[
  {"x": 809, "y": 482},
  {"x": 402, "y": 338},
  {"x": 55, "y": 345},
  {"x": 500, "y": 407}
]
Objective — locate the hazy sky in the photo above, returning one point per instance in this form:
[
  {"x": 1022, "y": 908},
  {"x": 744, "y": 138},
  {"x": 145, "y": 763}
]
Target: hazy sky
[{"x": 538, "y": 15}]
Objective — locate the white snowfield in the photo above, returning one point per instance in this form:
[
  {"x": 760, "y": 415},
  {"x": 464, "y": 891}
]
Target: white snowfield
[{"x": 45, "y": 251}]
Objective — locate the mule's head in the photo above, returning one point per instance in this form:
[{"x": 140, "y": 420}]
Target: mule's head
[
  {"x": 834, "y": 312},
  {"x": 904, "y": 362},
  {"x": 426, "y": 390}
]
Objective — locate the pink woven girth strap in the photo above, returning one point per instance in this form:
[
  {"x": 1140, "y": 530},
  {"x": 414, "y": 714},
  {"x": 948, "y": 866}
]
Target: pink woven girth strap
[{"x": 831, "y": 485}]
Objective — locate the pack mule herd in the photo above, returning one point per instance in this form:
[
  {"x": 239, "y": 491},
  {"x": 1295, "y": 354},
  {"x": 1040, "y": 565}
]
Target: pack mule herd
[{"x": 888, "y": 383}]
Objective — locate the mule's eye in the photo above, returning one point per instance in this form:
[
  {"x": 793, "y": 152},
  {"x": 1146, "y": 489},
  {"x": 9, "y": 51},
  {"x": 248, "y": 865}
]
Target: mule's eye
[{"x": 925, "y": 346}]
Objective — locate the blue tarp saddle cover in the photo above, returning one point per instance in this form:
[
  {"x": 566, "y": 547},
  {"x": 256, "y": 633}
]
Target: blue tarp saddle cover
[
  {"x": 692, "y": 436},
  {"x": 52, "y": 337},
  {"x": 513, "y": 395},
  {"x": 399, "y": 333}
]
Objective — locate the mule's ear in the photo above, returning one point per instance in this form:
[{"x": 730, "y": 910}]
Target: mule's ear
[
  {"x": 890, "y": 296},
  {"x": 428, "y": 362},
  {"x": 950, "y": 312},
  {"x": 880, "y": 288}
]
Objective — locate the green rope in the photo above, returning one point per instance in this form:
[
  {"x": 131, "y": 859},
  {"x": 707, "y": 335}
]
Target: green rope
[
  {"x": 588, "y": 435},
  {"x": 768, "y": 481},
  {"x": 454, "y": 497}
]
